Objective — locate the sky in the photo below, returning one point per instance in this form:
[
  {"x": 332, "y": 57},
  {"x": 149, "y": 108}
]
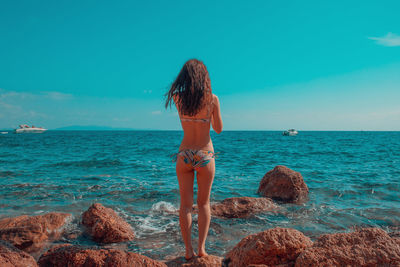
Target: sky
[{"x": 308, "y": 65}]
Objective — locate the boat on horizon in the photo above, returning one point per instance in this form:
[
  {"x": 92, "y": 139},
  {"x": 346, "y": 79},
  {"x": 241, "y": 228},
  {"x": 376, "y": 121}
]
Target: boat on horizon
[
  {"x": 290, "y": 132},
  {"x": 23, "y": 128},
  {"x": 3, "y": 132}
]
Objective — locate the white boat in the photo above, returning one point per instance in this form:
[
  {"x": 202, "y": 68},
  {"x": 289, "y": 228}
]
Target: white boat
[
  {"x": 290, "y": 132},
  {"x": 23, "y": 128},
  {"x": 3, "y": 132}
]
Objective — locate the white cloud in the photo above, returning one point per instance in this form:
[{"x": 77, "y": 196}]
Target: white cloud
[
  {"x": 389, "y": 39},
  {"x": 34, "y": 114},
  {"x": 58, "y": 95},
  {"x": 16, "y": 95},
  {"x": 156, "y": 112},
  {"x": 54, "y": 95},
  {"x": 9, "y": 106}
]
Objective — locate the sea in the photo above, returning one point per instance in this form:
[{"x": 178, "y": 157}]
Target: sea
[{"x": 353, "y": 179}]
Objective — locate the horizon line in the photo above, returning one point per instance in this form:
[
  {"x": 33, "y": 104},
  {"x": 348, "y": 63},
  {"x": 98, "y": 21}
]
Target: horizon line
[
  {"x": 231, "y": 130},
  {"x": 108, "y": 128}
]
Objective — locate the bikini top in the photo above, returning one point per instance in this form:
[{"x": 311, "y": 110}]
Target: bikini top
[{"x": 207, "y": 119}]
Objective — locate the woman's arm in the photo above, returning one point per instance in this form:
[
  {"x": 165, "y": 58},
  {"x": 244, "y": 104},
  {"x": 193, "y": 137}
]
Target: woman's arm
[{"x": 216, "y": 119}]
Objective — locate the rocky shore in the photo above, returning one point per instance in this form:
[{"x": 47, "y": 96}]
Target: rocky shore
[{"x": 39, "y": 240}]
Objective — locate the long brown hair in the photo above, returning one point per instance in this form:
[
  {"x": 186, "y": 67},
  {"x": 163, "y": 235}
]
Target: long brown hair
[{"x": 192, "y": 88}]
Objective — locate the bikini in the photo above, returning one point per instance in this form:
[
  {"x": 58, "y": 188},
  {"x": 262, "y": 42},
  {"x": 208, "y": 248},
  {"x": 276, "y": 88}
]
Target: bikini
[{"x": 196, "y": 157}]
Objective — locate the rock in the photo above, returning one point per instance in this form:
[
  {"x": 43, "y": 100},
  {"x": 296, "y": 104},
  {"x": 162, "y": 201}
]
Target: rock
[
  {"x": 31, "y": 233},
  {"x": 206, "y": 261},
  {"x": 273, "y": 247},
  {"x": 395, "y": 236},
  {"x": 284, "y": 184},
  {"x": 105, "y": 226},
  {"x": 77, "y": 256},
  {"x": 242, "y": 207},
  {"x": 10, "y": 256},
  {"x": 365, "y": 247}
]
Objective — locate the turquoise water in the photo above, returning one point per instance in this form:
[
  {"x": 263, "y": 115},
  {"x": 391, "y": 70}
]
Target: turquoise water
[{"x": 353, "y": 177}]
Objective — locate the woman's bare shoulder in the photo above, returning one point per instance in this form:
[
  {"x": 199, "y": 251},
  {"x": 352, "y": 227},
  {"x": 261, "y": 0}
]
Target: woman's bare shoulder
[{"x": 215, "y": 99}]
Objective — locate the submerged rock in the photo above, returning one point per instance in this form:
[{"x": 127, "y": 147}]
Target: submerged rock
[
  {"x": 242, "y": 207},
  {"x": 31, "y": 233},
  {"x": 77, "y": 256},
  {"x": 365, "y": 247},
  {"x": 273, "y": 247},
  {"x": 206, "y": 261},
  {"x": 284, "y": 184},
  {"x": 10, "y": 256},
  {"x": 105, "y": 226}
]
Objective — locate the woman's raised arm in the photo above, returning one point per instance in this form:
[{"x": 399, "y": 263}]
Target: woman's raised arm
[{"x": 216, "y": 119}]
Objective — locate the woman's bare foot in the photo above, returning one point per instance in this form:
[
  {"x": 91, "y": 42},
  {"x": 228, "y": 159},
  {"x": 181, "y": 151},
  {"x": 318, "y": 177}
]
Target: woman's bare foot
[
  {"x": 202, "y": 253},
  {"x": 189, "y": 254}
]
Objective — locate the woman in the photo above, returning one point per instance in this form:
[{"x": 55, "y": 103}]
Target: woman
[{"x": 197, "y": 107}]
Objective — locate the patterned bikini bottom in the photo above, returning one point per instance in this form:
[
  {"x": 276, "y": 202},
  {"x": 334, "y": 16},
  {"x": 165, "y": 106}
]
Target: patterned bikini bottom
[{"x": 196, "y": 158}]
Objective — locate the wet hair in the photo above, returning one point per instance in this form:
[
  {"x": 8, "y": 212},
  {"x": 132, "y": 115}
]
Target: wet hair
[{"x": 191, "y": 89}]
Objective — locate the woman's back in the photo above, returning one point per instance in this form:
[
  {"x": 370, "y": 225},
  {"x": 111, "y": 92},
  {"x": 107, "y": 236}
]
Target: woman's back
[{"x": 197, "y": 128}]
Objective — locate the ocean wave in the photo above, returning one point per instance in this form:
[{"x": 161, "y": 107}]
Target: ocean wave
[
  {"x": 157, "y": 220},
  {"x": 163, "y": 207},
  {"x": 155, "y": 150},
  {"x": 93, "y": 163},
  {"x": 7, "y": 174},
  {"x": 17, "y": 160},
  {"x": 11, "y": 144},
  {"x": 24, "y": 185}
]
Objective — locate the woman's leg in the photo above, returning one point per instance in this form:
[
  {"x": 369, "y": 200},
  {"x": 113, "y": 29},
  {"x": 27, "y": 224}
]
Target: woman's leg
[
  {"x": 185, "y": 178},
  {"x": 205, "y": 177}
]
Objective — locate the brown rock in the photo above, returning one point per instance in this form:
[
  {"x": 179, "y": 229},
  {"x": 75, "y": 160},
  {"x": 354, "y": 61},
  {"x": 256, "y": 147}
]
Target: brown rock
[
  {"x": 284, "y": 184},
  {"x": 10, "y": 256},
  {"x": 242, "y": 207},
  {"x": 105, "y": 226},
  {"x": 206, "y": 261},
  {"x": 395, "y": 236},
  {"x": 31, "y": 233},
  {"x": 365, "y": 247},
  {"x": 273, "y": 247},
  {"x": 77, "y": 256}
]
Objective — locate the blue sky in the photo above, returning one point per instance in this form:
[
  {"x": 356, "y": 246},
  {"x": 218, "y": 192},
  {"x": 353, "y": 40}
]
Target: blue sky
[{"x": 310, "y": 65}]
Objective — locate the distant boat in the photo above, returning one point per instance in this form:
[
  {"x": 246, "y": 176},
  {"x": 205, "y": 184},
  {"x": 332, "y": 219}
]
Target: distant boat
[
  {"x": 3, "y": 132},
  {"x": 290, "y": 132},
  {"x": 23, "y": 128}
]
